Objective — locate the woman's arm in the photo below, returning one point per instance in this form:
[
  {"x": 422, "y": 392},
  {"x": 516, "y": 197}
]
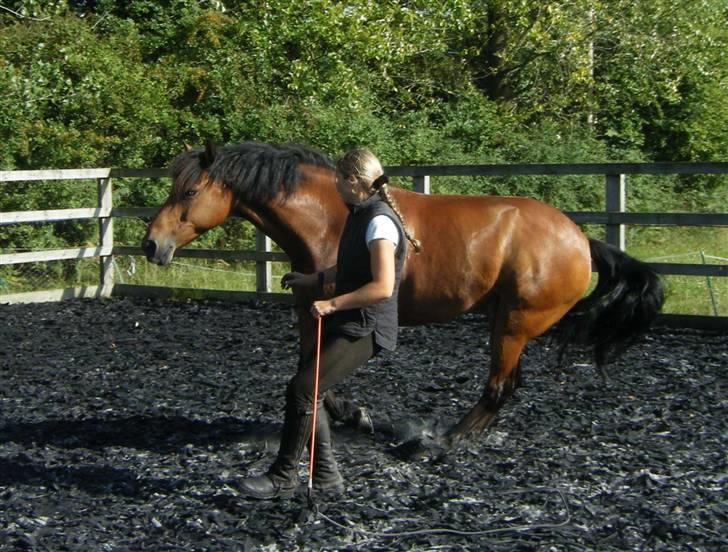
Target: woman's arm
[{"x": 381, "y": 287}]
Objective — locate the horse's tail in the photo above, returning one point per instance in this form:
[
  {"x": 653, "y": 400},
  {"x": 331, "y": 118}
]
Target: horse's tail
[{"x": 628, "y": 296}]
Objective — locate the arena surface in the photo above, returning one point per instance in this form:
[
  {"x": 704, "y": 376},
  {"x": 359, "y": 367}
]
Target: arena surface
[{"x": 124, "y": 425}]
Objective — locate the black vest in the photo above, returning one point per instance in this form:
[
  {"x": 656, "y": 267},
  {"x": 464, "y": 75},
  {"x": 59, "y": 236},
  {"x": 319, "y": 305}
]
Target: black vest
[{"x": 353, "y": 270}]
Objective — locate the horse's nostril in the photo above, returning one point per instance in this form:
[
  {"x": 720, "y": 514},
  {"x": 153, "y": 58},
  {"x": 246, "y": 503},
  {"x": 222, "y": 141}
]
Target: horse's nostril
[{"x": 149, "y": 247}]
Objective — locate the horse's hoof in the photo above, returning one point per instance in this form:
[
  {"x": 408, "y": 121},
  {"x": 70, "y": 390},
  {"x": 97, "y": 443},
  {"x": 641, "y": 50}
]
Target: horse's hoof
[
  {"x": 362, "y": 421},
  {"x": 422, "y": 447},
  {"x": 410, "y": 450}
]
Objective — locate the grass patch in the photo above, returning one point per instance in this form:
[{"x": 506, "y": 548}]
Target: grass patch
[
  {"x": 196, "y": 274},
  {"x": 704, "y": 245}
]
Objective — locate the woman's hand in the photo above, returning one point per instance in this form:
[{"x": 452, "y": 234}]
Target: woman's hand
[
  {"x": 294, "y": 279},
  {"x": 319, "y": 309}
]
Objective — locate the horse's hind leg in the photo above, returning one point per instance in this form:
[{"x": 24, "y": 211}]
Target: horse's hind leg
[
  {"x": 502, "y": 382},
  {"x": 510, "y": 330},
  {"x": 503, "y": 379}
]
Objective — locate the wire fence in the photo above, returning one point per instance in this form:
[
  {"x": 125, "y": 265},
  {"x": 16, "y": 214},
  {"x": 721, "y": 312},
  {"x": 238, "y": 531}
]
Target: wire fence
[
  {"x": 711, "y": 286},
  {"x": 194, "y": 273},
  {"x": 215, "y": 274}
]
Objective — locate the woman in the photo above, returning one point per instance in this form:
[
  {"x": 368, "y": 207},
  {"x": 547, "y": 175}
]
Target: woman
[{"x": 360, "y": 320}]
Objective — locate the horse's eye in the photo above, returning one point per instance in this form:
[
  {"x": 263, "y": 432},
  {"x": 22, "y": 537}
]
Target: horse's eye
[{"x": 190, "y": 193}]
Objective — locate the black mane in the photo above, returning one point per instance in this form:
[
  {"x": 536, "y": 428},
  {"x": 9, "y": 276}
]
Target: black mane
[{"x": 255, "y": 172}]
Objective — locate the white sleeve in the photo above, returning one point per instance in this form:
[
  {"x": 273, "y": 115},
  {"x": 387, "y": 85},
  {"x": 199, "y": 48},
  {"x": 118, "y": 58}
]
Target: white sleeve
[{"x": 382, "y": 227}]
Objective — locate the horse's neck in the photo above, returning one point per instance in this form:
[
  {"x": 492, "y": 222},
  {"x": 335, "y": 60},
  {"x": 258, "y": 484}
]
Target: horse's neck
[{"x": 306, "y": 226}]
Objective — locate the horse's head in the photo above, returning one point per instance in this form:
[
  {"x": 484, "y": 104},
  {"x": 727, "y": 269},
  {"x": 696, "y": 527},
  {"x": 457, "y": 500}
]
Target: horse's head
[{"x": 195, "y": 204}]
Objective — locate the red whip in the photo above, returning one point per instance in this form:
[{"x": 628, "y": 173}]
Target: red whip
[{"x": 315, "y": 406}]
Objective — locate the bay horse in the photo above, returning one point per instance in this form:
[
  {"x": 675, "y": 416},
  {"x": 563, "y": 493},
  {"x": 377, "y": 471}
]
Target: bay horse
[{"x": 523, "y": 263}]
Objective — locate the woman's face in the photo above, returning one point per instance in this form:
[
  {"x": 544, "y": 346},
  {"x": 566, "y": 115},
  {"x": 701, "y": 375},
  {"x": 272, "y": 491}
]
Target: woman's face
[{"x": 350, "y": 189}]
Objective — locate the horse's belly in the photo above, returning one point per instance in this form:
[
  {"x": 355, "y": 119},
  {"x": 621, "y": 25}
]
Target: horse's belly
[{"x": 432, "y": 307}]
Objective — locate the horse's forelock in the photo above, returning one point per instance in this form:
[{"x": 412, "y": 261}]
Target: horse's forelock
[{"x": 186, "y": 171}]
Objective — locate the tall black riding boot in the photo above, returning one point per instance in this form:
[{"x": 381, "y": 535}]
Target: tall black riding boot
[
  {"x": 281, "y": 480},
  {"x": 326, "y": 476}
]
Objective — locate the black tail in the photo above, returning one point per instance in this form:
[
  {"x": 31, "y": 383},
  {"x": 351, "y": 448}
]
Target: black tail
[{"x": 627, "y": 298}]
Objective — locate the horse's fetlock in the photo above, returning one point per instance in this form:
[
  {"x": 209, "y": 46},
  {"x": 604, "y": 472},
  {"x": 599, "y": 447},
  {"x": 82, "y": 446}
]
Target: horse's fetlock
[{"x": 493, "y": 392}]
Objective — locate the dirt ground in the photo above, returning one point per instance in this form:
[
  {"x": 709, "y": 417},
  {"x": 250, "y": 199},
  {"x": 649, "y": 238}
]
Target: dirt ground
[{"x": 124, "y": 425}]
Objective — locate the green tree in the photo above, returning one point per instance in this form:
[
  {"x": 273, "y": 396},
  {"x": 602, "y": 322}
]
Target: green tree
[
  {"x": 73, "y": 100},
  {"x": 647, "y": 75},
  {"x": 659, "y": 66}
]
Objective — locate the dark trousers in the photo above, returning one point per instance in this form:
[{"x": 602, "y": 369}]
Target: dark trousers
[{"x": 340, "y": 356}]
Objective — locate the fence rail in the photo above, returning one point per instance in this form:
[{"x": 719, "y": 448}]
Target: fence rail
[{"x": 614, "y": 218}]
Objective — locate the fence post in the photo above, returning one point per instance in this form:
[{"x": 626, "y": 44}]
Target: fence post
[
  {"x": 262, "y": 268},
  {"x": 710, "y": 287},
  {"x": 615, "y": 202},
  {"x": 421, "y": 184},
  {"x": 106, "y": 236}
]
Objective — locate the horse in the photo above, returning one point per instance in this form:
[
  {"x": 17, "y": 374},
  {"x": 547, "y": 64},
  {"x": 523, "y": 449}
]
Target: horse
[{"x": 521, "y": 262}]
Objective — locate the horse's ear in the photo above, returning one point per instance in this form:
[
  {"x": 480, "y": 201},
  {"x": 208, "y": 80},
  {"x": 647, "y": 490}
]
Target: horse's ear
[
  {"x": 188, "y": 148},
  {"x": 208, "y": 156}
]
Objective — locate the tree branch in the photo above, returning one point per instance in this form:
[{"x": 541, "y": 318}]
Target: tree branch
[{"x": 21, "y": 16}]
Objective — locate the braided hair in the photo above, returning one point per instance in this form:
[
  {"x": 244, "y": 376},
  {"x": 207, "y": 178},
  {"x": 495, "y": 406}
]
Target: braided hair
[
  {"x": 380, "y": 185},
  {"x": 365, "y": 167}
]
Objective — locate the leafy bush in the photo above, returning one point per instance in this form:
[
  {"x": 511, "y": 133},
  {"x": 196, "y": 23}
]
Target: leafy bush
[{"x": 106, "y": 83}]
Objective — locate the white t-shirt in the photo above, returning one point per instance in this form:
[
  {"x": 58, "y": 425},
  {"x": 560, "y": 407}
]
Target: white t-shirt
[{"x": 382, "y": 227}]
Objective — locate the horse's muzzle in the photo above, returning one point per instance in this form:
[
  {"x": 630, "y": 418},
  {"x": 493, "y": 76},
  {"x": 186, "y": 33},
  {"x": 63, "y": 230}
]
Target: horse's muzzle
[
  {"x": 150, "y": 248},
  {"x": 155, "y": 255}
]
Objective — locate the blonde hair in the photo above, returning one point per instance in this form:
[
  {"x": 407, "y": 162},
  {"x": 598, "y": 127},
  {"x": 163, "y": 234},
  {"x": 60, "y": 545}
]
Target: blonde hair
[{"x": 363, "y": 165}]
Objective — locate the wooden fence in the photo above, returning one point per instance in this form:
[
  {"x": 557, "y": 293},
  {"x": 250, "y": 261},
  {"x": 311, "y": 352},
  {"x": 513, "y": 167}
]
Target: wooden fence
[{"x": 614, "y": 218}]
